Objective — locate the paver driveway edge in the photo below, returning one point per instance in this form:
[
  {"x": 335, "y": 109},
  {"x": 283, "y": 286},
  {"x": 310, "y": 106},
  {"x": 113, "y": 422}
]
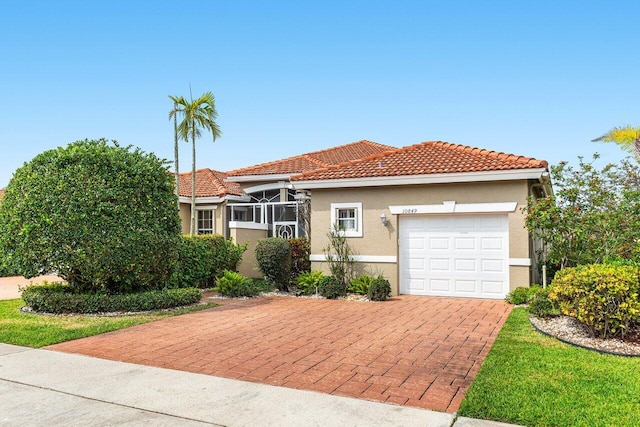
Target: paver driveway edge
[{"x": 188, "y": 396}]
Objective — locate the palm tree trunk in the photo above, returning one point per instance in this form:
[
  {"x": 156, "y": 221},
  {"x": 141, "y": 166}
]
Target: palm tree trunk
[
  {"x": 175, "y": 156},
  {"x": 193, "y": 183}
]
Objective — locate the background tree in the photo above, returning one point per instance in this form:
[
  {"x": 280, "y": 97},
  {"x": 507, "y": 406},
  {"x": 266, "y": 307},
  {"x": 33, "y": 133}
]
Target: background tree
[
  {"x": 102, "y": 217},
  {"x": 196, "y": 115},
  {"x": 593, "y": 215},
  {"x": 627, "y": 137},
  {"x": 173, "y": 114}
]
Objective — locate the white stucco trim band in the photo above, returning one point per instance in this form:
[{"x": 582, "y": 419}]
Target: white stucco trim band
[
  {"x": 520, "y": 262},
  {"x": 453, "y": 207},
  {"x": 248, "y": 225},
  {"x": 441, "y": 178},
  {"x": 388, "y": 259}
]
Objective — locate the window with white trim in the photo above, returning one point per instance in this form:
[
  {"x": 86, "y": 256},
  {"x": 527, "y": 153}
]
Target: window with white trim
[
  {"x": 347, "y": 217},
  {"x": 205, "y": 221}
]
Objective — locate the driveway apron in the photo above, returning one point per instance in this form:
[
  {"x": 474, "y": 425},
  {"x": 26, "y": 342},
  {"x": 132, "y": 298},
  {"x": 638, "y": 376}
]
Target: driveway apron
[{"x": 413, "y": 351}]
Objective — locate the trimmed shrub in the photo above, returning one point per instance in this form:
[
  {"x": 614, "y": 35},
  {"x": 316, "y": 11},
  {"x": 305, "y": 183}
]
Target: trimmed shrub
[
  {"x": 58, "y": 298},
  {"x": 273, "y": 255},
  {"x": 380, "y": 289},
  {"x": 361, "y": 284},
  {"x": 540, "y": 305},
  {"x": 233, "y": 284},
  {"x": 194, "y": 266},
  {"x": 309, "y": 282},
  {"x": 300, "y": 252},
  {"x": 602, "y": 297},
  {"x": 203, "y": 258},
  {"x": 331, "y": 288},
  {"x": 521, "y": 294},
  {"x": 101, "y": 216}
]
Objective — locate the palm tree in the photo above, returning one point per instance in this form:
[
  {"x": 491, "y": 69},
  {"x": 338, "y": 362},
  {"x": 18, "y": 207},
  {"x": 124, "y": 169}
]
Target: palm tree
[
  {"x": 196, "y": 115},
  {"x": 173, "y": 114},
  {"x": 626, "y": 137}
]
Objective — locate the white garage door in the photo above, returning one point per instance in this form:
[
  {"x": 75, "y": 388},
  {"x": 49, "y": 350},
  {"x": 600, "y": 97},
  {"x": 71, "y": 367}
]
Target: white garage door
[{"x": 454, "y": 255}]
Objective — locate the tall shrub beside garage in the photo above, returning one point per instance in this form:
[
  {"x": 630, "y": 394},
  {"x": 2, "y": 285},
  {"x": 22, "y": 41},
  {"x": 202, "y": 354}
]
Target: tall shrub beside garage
[{"x": 101, "y": 216}]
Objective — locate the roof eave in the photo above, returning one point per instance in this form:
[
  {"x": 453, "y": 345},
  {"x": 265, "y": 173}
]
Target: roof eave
[
  {"x": 265, "y": 177},
  {"x": 442, "y": 178},
  {"x": 215, "y": 199}
]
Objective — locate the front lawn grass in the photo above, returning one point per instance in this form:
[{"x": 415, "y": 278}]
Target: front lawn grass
[
  {"x": 34, "y": 330},
  {"x": 535, "y": 380}
]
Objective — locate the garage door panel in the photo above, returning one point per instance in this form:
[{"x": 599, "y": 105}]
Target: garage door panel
[
  {"x": 439, "y": 243},
  {"x": 465, "y": 265},
  {"x": 465, "y": 286},
  {"x": 454, "y": 255},
  {"x": 465, "y": 243},
  {"x": 492, "y": 265},
  {"x": 442, "y": 265},
  {"x": 440, "y": 285}
]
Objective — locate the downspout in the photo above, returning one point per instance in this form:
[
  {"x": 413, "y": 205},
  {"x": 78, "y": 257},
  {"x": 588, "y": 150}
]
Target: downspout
[{"x": 544, "y": 183}]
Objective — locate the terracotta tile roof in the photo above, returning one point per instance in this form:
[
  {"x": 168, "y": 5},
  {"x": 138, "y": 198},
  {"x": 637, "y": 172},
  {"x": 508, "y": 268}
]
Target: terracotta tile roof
[
  {"x": 314, "y": 160},
  {"x": 209, "y": 183},
  {"x": 432, "y": 157}
]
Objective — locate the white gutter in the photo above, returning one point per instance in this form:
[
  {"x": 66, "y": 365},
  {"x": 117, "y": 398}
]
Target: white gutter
[
  {"x": 215, "y": 199},
  {"x": 442, "y": 178}
]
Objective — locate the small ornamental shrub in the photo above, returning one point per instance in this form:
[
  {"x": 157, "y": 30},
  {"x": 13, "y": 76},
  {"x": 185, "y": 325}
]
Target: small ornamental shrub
[
  {"x": 331, "y": 288},
  {"x": 101, "y": 216},
  {"x": 602, "y": 297},
  {"x": 521, "y": 295},
  {"x": 540, "y": 305},
  {"x": 58, "y": 298},
  {"x": 233, "y": 284},
  {"x": 226, "y": 254},
  {"x": 339, "y": 256},
  {"x": 380, "y": 289},
  {"x": 309, "y": 282},
  {"x": 361, "y": 284},
  {"x": 274, "y": 260},
  {"x": 300, "y": 252}
]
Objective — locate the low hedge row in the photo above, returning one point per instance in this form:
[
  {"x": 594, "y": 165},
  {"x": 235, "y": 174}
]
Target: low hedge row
[{"x": 58, "y": 298}]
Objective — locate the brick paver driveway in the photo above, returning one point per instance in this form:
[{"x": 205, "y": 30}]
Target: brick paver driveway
[{"x": 414, "y": 351}]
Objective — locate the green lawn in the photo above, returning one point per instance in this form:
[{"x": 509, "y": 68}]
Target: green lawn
[
  {"x": 534, "y": 380},
  {"x": 33, "y": 330}
]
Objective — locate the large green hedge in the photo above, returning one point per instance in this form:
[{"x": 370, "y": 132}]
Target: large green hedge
[
  {"x": 101, "y": 216},
  {"x": 203, "y": 258}
]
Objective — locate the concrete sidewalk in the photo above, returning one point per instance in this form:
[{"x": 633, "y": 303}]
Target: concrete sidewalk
[
  {"x": 9, "y": 285},
  {"x": 47, "y": 387}
]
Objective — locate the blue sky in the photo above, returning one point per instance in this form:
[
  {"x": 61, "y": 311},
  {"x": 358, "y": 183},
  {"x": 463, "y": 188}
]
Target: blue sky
[{"x": 537, "y": 78}]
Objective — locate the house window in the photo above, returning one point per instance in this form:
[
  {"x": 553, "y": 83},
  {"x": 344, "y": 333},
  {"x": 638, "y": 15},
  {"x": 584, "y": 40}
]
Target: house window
[
  {"x": 205, "y": 221},
  {"x": 347, "y": 217}
]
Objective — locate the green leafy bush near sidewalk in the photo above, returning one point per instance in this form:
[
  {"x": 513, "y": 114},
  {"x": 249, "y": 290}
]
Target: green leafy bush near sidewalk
[
  {"x": 59, "y": 298},
  {"x": 534, "y": 380}
]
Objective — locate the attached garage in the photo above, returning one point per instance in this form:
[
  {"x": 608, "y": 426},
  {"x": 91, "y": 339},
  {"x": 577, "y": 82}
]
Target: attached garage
[{"x": 459, "y": 255}]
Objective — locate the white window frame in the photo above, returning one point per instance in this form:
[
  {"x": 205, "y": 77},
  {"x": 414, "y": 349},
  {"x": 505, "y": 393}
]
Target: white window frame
[
  {"x": 357, "y": 206},
  {"x": 213, "y": 219}
]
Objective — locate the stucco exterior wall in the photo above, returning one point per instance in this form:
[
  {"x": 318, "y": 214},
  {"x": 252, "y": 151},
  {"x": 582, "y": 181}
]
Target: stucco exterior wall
[
  {"x": 248, "y": 266},
  {"x": 383, "y": 241}
]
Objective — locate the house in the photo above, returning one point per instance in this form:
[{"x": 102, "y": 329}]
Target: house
[
  {"x": 258, "y": 201},
  {"x": 434, "y": 218}
]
